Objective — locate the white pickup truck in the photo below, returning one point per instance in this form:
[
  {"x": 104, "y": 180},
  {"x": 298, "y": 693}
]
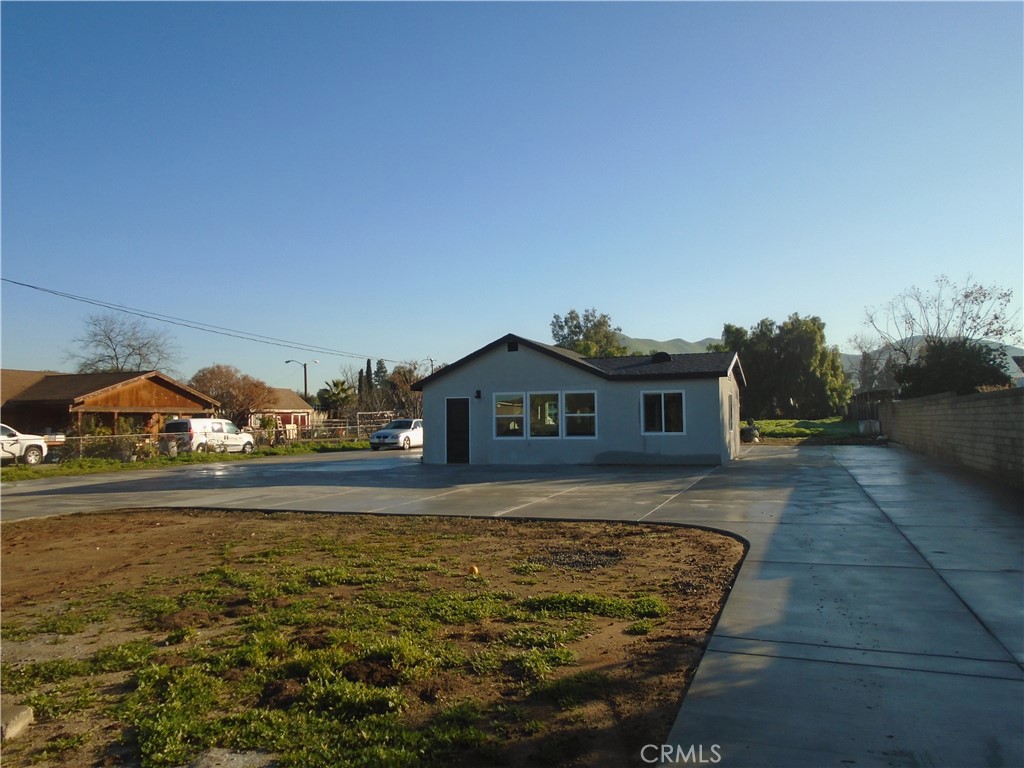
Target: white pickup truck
[{"x": 14, "y": 446}]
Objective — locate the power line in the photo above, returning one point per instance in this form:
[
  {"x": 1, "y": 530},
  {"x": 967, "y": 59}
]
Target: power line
[{"x": 196, "y": 325}]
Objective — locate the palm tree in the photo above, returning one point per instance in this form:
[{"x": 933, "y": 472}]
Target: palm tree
[{"x": 335, "y": 397}]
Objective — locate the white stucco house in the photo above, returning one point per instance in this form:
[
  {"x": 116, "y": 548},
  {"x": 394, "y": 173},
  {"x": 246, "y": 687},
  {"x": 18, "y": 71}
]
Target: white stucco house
[{"x": 516, "y": 401}]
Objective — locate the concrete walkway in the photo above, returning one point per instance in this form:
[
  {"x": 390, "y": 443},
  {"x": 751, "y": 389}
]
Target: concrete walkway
[{"x": 878, "y": 619}]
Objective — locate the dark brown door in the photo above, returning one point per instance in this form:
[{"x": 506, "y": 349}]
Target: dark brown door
[{"x": 457, "y": 430}]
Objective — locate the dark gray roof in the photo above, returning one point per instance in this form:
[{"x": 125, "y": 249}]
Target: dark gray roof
[
  {"x": 692, "y": 365},
  {"x": 699, "y": 365}
]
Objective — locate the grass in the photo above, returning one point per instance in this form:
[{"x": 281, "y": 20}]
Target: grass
[
  {"x": 818, "y": 430},
  {"x": 87, "y": 466},
  {"x": 330, "y": 660}
]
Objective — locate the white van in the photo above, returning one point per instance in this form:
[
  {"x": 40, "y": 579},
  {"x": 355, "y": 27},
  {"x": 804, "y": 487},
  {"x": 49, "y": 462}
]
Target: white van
[{"x": 208, "y": 435}]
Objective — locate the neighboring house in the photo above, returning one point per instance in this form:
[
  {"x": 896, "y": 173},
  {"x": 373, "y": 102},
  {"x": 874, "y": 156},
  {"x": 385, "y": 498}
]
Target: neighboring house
[
  {"x": 44, "y": 402},
  {"x": 517, "y": 401},
  {"x": 287, "y": 408}
]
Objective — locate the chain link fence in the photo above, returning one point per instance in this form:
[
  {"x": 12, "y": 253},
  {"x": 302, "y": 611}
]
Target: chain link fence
[
  {"x": 146, "y": 445},
  {"x": 142, "y": 446}
]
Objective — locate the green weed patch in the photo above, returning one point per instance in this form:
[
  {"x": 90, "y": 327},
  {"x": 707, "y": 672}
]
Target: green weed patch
[{"x": 344, "y": 643}]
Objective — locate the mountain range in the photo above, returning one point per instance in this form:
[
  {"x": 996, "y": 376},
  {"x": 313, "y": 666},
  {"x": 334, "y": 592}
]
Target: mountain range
[
  {"x": 851, "y": 362},
  {"x": 672, "y": 346}
]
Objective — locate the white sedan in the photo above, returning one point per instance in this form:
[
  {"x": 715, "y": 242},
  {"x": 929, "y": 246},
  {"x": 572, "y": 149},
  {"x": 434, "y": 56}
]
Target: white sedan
[{"x": 400, "y": 433}]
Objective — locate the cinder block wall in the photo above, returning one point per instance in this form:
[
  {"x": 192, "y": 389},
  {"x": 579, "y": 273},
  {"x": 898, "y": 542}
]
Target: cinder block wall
[{"x": 983, "y": 432}]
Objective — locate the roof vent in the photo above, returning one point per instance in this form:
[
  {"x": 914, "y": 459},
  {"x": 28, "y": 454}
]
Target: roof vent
[
  {"x": 661, "y": 357},
  {"x": 513, "y": 346}
]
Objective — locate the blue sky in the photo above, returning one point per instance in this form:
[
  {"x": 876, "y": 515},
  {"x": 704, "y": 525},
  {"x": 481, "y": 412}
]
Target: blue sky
[{"x": 412, "y": 181}]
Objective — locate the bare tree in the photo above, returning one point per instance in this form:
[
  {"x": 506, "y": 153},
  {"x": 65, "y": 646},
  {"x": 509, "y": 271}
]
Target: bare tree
[
  {"x": 119, "y": 342},
  {"x": 403, "y": 398},
  {"x": 968, "y": 311}
]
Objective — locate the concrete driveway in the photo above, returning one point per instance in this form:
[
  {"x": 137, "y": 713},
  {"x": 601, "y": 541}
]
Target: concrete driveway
[{"x": 877, "y": 619}]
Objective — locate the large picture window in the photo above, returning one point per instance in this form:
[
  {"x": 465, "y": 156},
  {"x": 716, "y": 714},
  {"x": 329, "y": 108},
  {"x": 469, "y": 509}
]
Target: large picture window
[
  {"x": 663, "y": 412},
  {"x": 580, "y": 414},
  {"x": 544, "y": 414},
  {"x": 509, "y": 415}
]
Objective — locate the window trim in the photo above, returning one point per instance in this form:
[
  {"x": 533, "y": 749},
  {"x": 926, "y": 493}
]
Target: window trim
[
  {"x": 562, "y": 414},
  {"x": 494, "y": 415},
  {"x": 662, "y": 393},
  {"x": 591, "y": 416},
  {"x": 529, "y": 414}
]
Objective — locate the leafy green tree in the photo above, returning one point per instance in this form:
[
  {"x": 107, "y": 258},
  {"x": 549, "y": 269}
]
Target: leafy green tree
[
  {"x": 790, "y": 371},
  {"x": 591, "y": 335},
  {"x": 961, "y": 366},
  {"x": 380, "y": 375}
]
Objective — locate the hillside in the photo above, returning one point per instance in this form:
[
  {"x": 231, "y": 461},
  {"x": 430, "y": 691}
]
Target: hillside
[
  {"x": 851, "y": 361},
  {"x": 672, "y": 346}
]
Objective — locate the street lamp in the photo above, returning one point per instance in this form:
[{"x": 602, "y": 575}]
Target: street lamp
[{"x": 305, "y": 378}]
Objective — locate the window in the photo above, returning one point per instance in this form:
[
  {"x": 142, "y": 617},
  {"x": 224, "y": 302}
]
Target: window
[
  {"x": 508, "y": 415},
  {"x": 544, "y": 414},
  {"x": 663, "y": 412},
  {"x": 580, "y": 414}
]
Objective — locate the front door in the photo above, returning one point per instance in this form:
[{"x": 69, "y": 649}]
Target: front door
[{"x": 457, "y": 430}]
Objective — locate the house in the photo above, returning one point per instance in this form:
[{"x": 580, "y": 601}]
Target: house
[
  {"x": 516, "y": 401},
  {"x": 45, "y": 402},
  {"x": 287, "y": 408}
]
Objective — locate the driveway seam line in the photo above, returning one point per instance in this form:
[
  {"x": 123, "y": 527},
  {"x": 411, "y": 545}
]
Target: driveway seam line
[
  {"x": 538, "y": 501},
  {"x": 844, "y": 663},
  {"x": 995, "y": 637},
  {"x": 909, "y": 654},
  {"x": 677, "y": 494}
]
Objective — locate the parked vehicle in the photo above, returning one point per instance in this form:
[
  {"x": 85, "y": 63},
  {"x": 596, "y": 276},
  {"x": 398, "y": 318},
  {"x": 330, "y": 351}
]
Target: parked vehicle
[
  {"x": 400, "y": 433},
  {"x": 202, "y": 434},
  {"x": 16, "y": 446}
]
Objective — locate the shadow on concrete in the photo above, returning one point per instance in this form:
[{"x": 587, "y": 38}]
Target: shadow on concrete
[{"x": 845, "y": 640}]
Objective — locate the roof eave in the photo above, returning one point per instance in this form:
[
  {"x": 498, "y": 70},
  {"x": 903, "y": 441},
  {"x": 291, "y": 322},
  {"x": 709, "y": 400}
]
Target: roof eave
[
  {"x": 507, "y": 338},
  {"x": 79, "y": 400},
  {"x": 581, "y": 363},
  {"x": 742, "y": 378}
]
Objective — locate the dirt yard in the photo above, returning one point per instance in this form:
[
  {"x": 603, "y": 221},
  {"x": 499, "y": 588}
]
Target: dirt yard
[{"x": 75, "y": 585}]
